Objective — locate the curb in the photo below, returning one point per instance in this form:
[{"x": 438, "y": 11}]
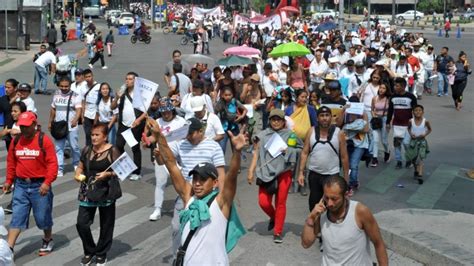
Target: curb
[{"x": 422, "y": 235}]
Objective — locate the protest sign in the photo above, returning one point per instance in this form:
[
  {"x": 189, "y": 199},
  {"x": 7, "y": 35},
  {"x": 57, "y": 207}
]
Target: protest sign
[
  {"x": 177, "y": 134},
  {"x": 129, "y": 138},
  {"x": 143, "y": 93},
  {"x": 123, "y": 166},
  {"x": 199, "y": 13},
  {"x": 275, "y": 145},
  {"x": 355, "y": 108}
]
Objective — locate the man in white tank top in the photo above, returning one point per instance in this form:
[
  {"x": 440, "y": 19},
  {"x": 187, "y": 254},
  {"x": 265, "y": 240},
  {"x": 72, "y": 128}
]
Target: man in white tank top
[
  {"x": 346, "y": 227},
  {"x": 208, "y": 244}
]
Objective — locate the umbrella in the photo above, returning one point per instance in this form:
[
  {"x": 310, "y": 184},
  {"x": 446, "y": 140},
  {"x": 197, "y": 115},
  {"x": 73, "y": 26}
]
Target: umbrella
[
  {"x": 242, "y": 51},
  {"x": 234, "y": 60},
  {"x": 326, "y": 26},
  {"x": 290, "y": 9},
  {"x": 289, "y": 49},
  {"x": 197, "y": 58}
]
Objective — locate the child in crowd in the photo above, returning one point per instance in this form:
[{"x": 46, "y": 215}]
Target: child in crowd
[
  {"x": 418, "y": 149},
  {"x": 314, "y": 99},
  {"x": 24, "y": 92}
]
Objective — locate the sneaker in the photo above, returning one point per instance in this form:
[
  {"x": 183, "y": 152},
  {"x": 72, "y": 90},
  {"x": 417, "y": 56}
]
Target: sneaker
[
  {"x": 407, "y": 164},
  {"x": 100, "y": 261},
  {"x": 87, "y": 260},
  {"x": 439, "y": 95},
  {"x": 271, "y": 225},
  {"x": 46, "y": 247},
  {"x": 60, "y": 173},
  {"x": 75, "y": 167},
  {"x": 277, "y": 239},
  {"x": 399, "y": 165},
  {"x": 420, "y": 181},
  {"x": 156, "y": 215},
  {"x": 90, "y": 66},
  {"x": 446, "y": 94},
  {"x": 303, "y": 191},
  {"x": 8, "y": 209},
  {"x": 374, "y": 162},
  {"x": 386, "y": 157},
  {"x": 418, "y": 97},
  {"x": 104, "y": 67},
  {"x": 135, "y": 177},
  {"x": 37, "y": 92}
]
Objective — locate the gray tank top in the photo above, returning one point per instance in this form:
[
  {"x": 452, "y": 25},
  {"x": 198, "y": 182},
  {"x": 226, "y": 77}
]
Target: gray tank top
[{"x": 322, "y": 159}]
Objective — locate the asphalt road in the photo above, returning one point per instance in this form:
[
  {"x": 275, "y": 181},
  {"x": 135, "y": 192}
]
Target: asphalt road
[{"x": 142, "y": 242}]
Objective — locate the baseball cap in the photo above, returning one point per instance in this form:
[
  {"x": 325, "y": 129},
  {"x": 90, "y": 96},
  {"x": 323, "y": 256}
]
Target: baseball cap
[
  {"x": 359, "y": 64},
  {"x": 79, "y": 71},
  {"x": 197, "y": 103},
  {"x": 255, "y": 77},
  {"x": 26, "y": 119},
  {"x": 194, "y": 125},
  {"x": 3, "y": 230},
  {"x": 334, "y": 85},
  {"x": 204, "y": 170},
  {"x": 24, "y": 87},
  {"x": 277, "y": 112},
  {"x": 324, "y": 109}
]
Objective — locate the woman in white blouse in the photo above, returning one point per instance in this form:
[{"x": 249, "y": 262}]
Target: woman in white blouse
[{"x": 105, "y": 114}]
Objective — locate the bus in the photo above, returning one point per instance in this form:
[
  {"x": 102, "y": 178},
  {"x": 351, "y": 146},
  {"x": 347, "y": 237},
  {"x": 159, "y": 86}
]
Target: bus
[{"x": 91, "y": 8}]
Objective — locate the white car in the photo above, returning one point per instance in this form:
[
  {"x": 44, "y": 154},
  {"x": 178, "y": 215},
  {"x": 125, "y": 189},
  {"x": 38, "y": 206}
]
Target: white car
[
  {"x": 126, "y": 19},
  {"x": 325, "y": 13},
  {"x": 382, "y": 22},
  {"x": 114, "y": 16},
  {"x": 410, "y": 15}
]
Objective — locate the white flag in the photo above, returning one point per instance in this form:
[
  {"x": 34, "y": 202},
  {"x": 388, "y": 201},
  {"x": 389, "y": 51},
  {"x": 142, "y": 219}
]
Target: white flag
[
  {"x": 143, "y": 93},
  {"x": 123, "y": 166}
]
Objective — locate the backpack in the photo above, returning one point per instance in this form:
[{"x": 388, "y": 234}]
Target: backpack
[
  {"x": 40, "y": 142},
  {"x": 317, "y": 136},
  {"x": 64, "y": 63}
]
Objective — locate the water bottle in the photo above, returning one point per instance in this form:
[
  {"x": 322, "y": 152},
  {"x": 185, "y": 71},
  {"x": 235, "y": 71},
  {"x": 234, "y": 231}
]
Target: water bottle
[{"x": 292, "y": 140}]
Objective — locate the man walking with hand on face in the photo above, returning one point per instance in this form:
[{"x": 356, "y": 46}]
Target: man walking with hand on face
[
  {"x": 32, "y": 164},
  {"x": 346, "y": 227}
]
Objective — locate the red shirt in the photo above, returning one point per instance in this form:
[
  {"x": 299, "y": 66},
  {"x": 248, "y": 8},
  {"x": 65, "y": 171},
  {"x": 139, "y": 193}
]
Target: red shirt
[
  {"x": 414, "y": 63},
  {"x": 26, "y": 160}
]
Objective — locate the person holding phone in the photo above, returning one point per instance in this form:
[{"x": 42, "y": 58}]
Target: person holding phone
[{"x": 345, "y": 224}]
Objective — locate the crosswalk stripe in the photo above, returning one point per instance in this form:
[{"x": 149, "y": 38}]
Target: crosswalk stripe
[
  {"x": 385, "y": 179},
  {"x": 160, "y": 242},
  {"x": 122, "y": 225},
  {"x": 62, "y": 222},
  {"x": 429, "y": 193}
]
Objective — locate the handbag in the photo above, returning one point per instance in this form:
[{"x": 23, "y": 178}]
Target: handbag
[
  {"x": 103, "y": 189},
  {"x": 377, "y": 122},
  {"x": 60, "y": 129},
  {"x": 271, "y": 186}
]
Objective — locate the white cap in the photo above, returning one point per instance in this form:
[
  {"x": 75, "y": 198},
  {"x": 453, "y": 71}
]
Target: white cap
[
  {"x": 380, "y": 63},
  {"x": 3, "y": 230},
  {"x": 197, "y": 103},
  {"x": 333, "y": 60},
  {"x": 285, "y": 60}
]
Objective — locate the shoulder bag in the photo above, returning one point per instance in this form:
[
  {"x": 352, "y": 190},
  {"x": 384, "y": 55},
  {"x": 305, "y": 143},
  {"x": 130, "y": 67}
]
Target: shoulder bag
[{"x": 376, "y": 122}]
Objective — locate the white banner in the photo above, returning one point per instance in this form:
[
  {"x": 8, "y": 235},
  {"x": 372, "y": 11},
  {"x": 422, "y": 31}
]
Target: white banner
[
  {"x": 123, "y": 166},
  {"x": 273, "y": 22},
  {"x": 199, "y": 13},
  {"x": 143, "y": 93}
]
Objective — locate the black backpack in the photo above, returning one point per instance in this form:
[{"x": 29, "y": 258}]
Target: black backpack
[{"x": 317, "y": 136}]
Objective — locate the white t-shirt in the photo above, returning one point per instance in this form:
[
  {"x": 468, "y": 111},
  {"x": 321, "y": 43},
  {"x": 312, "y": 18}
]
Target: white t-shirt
[
  {"x": 428, "y": 61},
  {"x": 105, "y": 112},
  {"x": 46, "y": 59},
  {"x": 90, "y": 38},
  {"x": 60, "y": 103},
  {"x": 166, "y": 127},
  {"x": 268, "y": 85},
  {"x": 79, "y": 88},
  {"x": 225, "y": 26},
  {"x": 213, "y": 125},
  {"x": 30, "y": 104},
  {"x": 317, "y": 68},
  {"x": 185, "y": 84},
  {"x": 128, "y": 113},
  {"x": 91, "y": 100}
]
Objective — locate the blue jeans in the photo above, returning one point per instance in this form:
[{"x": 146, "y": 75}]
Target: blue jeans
[
  {"x": 41, "y": 78},
  {"x": 90, "y": 51},
  {"x": 428, "y": 81},
  {"x": 370, "y": 135},
  {"x": 112, "y": 134},
  {"x": 26, "y": 196},
  {"x": 443, "y": 83},
  {"x": 60, "y": 144},
  {"x": 354, "y": 160},
  {"x": 380, "y": 135},
  {"x": 397, "y": 145}
]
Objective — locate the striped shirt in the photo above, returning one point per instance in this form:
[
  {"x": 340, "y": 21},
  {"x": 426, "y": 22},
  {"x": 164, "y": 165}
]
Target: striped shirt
[{"x": 188, "y": 155}]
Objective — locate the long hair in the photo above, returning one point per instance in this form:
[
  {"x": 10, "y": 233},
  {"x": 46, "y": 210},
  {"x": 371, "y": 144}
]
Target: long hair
[{"x": 111, "y": 93}]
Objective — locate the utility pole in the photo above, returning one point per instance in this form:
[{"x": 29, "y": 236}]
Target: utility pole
[
  {"x": 414, "y": 19},
  {"x": 51, "y": 11},
  {"x": 6, "y": 28},
  {"x": 341, "y": 15},
  {"x": 393, "y": 11}
]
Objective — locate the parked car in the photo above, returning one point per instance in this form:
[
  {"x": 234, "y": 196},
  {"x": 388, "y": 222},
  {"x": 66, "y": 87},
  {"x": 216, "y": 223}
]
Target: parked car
[
  {"x": 126, "y": 19},
  {"x": 114, "y": 16},
  {"x": 410, "y": 15},
  {"x": 382, "y": 22},
  {"x": 468, "y": 15},
  {"x": 325, "y": 13}
]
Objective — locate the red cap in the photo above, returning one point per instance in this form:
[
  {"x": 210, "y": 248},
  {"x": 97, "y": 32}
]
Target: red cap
[{"x": 26, "y": 119}]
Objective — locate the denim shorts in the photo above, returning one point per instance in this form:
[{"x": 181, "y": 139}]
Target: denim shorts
[{"x": 26, "y": 196}]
